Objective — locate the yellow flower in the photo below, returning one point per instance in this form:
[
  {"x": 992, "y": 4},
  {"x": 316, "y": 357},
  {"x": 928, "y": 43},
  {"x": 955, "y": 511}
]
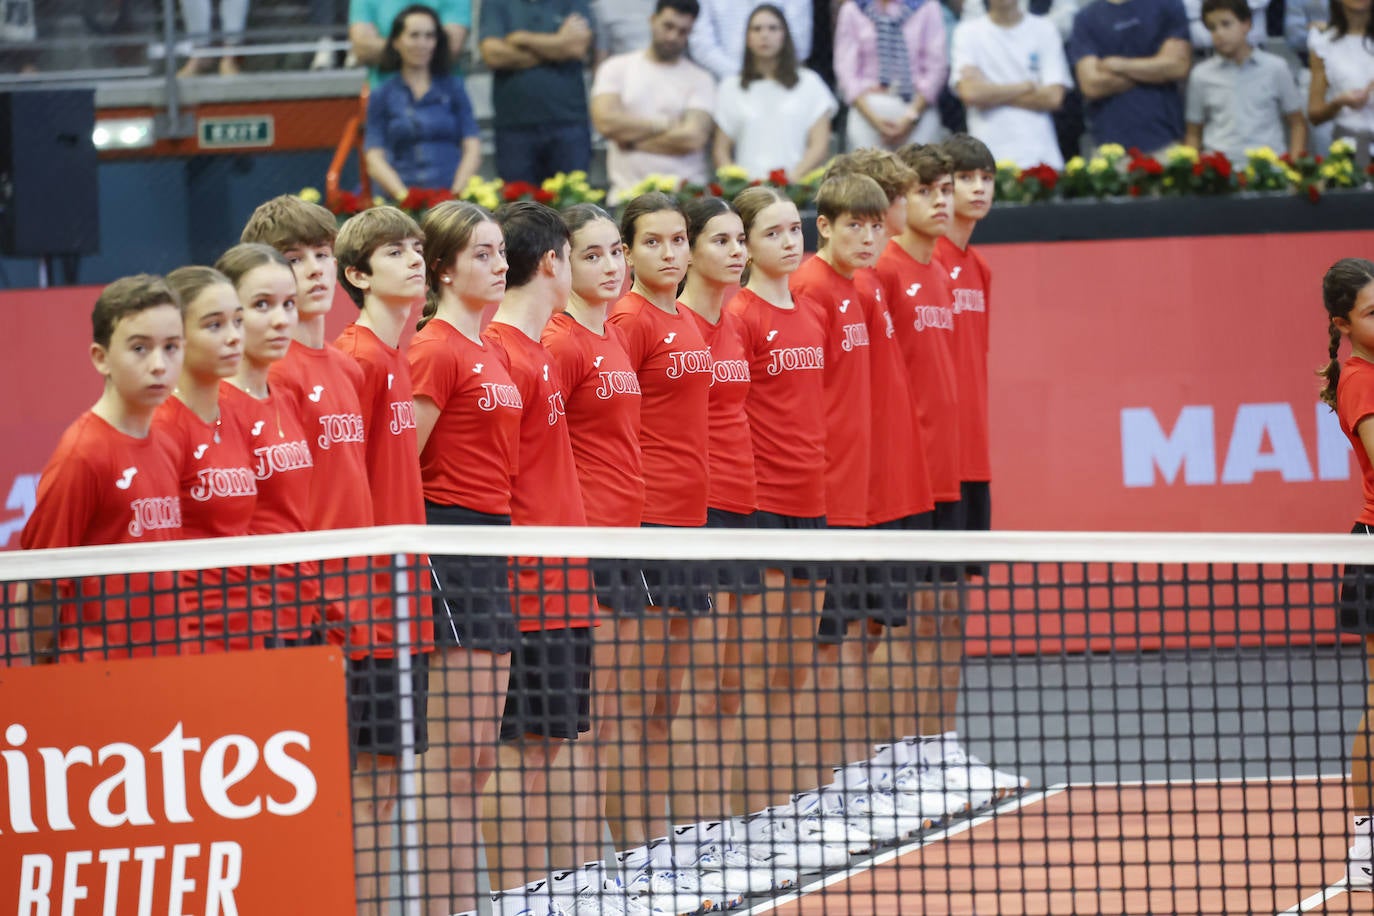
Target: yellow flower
[
  {"x": 379, "y": 201},
  {"x": 1006, "y": 165},
  {"x": 310, "y": 195},
  {"x": 1111, "y": 151},
  {"x": 1075, "y": 165},
  {"x": 1292, "y": 174},
  {"x": 732, "y": 173},
  {"x": 1261, "y": 154},
  {"x": 1097, "y": 165},
  {"x": 1180, "y": 153},
  {"x": 1343, "y": 147},
  {"x": 814, "y": 176},
  {"x": 555, "y": 183},
  {"x": 577, "y": 175}
]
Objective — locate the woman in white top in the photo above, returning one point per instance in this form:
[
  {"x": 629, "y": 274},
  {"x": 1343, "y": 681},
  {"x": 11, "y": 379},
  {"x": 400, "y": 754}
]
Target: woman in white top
[
  {"x": 775, "y": 114},
  {"x": 1342, "y": 60}
]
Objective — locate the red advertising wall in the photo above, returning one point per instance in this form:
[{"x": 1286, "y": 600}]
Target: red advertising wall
[{"x": 1153, "y": 384}]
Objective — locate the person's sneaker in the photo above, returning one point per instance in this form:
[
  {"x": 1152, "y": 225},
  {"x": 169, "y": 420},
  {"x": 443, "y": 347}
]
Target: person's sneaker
[
  {"x": 860, "y": 777},
  {"x": 785, "y": 840},
  {"x": 830, "y": 824},
  {"x": 961, "y": 769},
  {"x": 665, "y": 891},
  {"x": 1359, "y": 870},
  {"x": 530, "y": 900},
  {"x": 780, "y": 875},
  {"x": 914, "y": 795},
  {"x": 873, "y": 812},
  {"x": 736, "y": 870}
]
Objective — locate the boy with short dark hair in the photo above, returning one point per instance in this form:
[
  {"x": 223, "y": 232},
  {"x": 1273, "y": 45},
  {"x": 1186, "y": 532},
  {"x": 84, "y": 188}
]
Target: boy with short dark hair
[
  {"x": 324, "y": 384},
  {"x": 1241, "y": 97},
  {"x": 110, "y": 482}
]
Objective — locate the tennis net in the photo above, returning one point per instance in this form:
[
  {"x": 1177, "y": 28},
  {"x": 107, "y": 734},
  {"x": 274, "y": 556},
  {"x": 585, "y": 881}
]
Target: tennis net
[{"x": 420, "y": 720}]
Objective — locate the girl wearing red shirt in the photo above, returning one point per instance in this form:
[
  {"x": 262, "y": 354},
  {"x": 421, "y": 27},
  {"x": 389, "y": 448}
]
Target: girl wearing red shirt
[
  {"x": 719, "y": 253},
  {"x": 673, "y": 368},
  {"x": 218, "y": 487},
  {"x": 1348, "y": 294},
  {"x": 467, "y": 419},
  {"x": 785, "y": 343},
  {"x": 270, "y": 425}
]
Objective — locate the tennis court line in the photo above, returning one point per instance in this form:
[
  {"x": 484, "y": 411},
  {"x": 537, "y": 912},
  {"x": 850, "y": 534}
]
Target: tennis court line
[
  {"x": 1207, "y": 781},
  {"x": 1317, "y": 899},
  {"x": 966, "y": 824}
]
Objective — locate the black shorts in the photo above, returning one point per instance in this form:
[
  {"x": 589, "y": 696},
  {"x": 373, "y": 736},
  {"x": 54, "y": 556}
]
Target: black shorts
[
  {"x": 976, "y": 498},
  {"x": 890, "y": 584},
  {"x": 741, "y": 577},
  {"x": 375, "y": 708},
  {"x": 948, "y": 516},
  {"x": 550, "y": 693},
  {"x": 1356, "y": 603},
  {"x": 676, "y": 585},
  {"x": 808, "y": 572},
  {"x": 472, "y": 598},
  {"x": 620, "y": 587}
]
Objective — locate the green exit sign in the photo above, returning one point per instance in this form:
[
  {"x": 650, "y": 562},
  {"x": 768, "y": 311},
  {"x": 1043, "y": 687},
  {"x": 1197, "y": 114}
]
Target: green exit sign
[{"x": 233, "y": 133}]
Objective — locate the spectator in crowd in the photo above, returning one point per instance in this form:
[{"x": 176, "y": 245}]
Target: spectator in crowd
[
  {"x": 1342, "y": 61},
  {"x": 370, "y": 21},
  {"x": 1299, "y": 18},
  {"x": 775, "y": 114},
  {"x": 889, "y": 67},
  {"x": 654, "y": 106},
  {"x": 1201, "y": 36},
  {"x": 1060, "y": 12},
  {"x": 620, "y": 26},
  {"x": 536, "y": 50},
  {"x": 1009, "y": 68},
  {"x": 233, "y": 17},
  {"x": 421, "y": 132},
  {"x": 1129, "y": 56},
  {"x": 718, "y": 39},
  {"x": 1240, "y": 98}
]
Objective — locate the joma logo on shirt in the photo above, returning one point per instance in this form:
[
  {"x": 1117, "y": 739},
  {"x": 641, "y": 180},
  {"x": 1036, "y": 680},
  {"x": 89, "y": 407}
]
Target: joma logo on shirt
[
  {"x": 619, "y": 381},
  {"x": 340, "y": 427},
  {"x": 933, "y": 316},
  {"x": 794, "y": 359},
  {"x": 494, "y": 396},
  {"x": 855, "y": 335},
  {"x": 556, "y": 407},
  {"x": 688, "y": 361},
  {"x": 730, "y": 370},
  {"x": 280, "y": 458},
  {"x": 402, "y": 416},
  {"x": 969, "y": 300},
  {"x": 220, "y": 482},
  {"x": 154, "y": 513}
]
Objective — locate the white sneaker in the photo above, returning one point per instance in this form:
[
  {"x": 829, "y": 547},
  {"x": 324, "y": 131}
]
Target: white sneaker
[
  {"x": 662, "y": 890},
  {"x": 829, "y": 825},
  {"x": 873, "y": 812},
  {"x": 962, "y": 770},
  {"x": 1359, "y": 870},
  {"x": 737, "y": 871},
  {"x": 785, "y": 840},
  {"x": 780, "y": 875},
  {"x": 531, "y": 900},
  {"x": 913, "y": 794},
  {"x": 861, "y": 777}
]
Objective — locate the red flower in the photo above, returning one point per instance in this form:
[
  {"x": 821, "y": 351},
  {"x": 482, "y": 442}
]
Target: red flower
[
  {"x": 1134, "y": 190},
  {"x": 1313, "y": 194},
  {"x": 1222, "y": 165},
  {"x": 715, "y": 189},
  {"x": 1134, "y": 152},
  {"x": 348, "y": 202},
  {"x": 517, "y": 189},
  {"x": 543, "y": 196},
  {"x": 1242, "y": 179},
  {"x": 778, "y": 177},
  {"x": 1198, "y": 169},
  {"x": 414, "y": 199},
  {"x": 1286, "y": 159}
]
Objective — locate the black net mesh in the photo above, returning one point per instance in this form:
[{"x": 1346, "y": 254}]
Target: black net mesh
[{"x": 909, "y": 734}]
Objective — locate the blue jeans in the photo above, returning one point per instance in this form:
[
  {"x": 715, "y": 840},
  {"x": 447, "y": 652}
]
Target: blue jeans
[{"x": 535, "y": 153}]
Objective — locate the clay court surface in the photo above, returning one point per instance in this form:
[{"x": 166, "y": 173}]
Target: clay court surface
[{"x": 1237, "y": 846}]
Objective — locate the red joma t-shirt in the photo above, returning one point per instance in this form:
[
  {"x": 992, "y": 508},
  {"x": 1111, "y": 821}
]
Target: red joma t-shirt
[
  {"x": 546, "y": 490},
  {"x": 786, "y": 404},
  {"x": 1355, "y": 402},
  {"x": 898, "y": 479},
  {"x": 393, "y": 473},
  {"x": 102, "y": 486},
  {"x": 674, "y": 369},
  {"x": 923, "y": 312},
  {"x": 848, "y": 377},
  {"x": 471, "y": 454},
  {"x": 729, "y": 448},
  {"x": 602, "y": 397},
  {"x": 970, "y": 285}
]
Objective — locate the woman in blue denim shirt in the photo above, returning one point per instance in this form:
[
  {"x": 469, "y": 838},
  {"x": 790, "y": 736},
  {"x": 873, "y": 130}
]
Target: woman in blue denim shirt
[{"x": 421, "y": 132}]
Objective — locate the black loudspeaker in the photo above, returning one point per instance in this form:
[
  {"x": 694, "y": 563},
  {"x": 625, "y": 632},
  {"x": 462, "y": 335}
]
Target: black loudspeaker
[{"x": 49, "y": 190}]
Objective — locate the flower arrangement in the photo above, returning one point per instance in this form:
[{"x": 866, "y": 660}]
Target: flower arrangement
[
  {"x": 562, "y": 190},
  {"x": 728, "y": 181},
  {"x": 1181, "y": 170}
]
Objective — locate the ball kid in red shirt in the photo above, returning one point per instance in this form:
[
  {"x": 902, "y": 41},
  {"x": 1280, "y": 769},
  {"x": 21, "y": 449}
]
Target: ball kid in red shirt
[{"x": 110, "y": 481}]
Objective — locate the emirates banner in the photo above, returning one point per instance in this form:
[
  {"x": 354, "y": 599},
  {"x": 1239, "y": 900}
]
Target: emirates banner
[{"x": 214, "y": 785}]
